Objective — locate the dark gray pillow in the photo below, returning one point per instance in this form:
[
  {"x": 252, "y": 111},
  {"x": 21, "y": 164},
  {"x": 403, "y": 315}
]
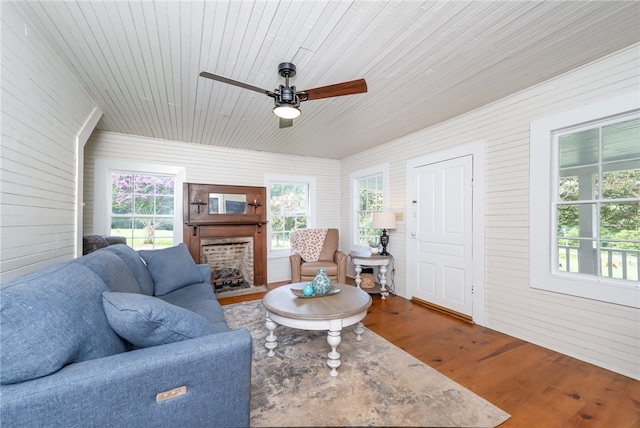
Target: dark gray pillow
[
  {"x": 171, "y": 268},
  {"x": 148, "y": 321}
]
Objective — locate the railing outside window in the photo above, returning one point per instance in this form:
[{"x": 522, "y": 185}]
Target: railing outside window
[{"x": 615, "y": 262}]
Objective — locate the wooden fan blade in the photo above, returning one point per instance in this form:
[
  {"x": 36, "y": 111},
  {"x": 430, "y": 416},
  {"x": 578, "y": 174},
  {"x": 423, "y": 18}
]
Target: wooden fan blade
[
  {"x": 233, "y": 82},
  {"x": 358, "y": 86},
  {"x": 285, "y": 123}
]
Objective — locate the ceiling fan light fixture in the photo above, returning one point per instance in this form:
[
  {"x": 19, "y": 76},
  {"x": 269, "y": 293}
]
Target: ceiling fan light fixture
[
  {"x": 286, "y": 99},
  {"x": 286, "y": 111}
]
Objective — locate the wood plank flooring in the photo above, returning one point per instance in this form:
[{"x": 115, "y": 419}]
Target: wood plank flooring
[{"x": 537, "y": 386}]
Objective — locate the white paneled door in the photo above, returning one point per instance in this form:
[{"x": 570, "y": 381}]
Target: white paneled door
[{"x": 443, "y": 241}]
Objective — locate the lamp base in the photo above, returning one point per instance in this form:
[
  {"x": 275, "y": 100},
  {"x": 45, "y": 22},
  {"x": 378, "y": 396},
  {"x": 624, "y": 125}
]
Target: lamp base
[{"x": 384, "y": 241}]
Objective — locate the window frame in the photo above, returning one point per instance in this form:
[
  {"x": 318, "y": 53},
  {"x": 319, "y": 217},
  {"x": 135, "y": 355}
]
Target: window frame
[
  {"x": 543, "y": 176},
  {"x": 310, "y": 182},
  {"x": 102, "y": 191},
  {"x": 354, "y": 178}
]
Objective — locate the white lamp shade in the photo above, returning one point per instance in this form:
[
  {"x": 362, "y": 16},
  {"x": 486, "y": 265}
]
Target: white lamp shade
[
  {"x": 384, "y": 220},
  {"x": 286, "y": 111}
]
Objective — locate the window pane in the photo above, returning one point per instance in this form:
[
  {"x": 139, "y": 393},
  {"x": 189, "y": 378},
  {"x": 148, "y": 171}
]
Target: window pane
[
  {"x": 301, "y": 222},
  {"x": 362, "y": 192},
  {"x": 568, "y": 221},
  {"x": 621, "y": 184},
  {"x": 576, "y": 220},
  {"x": 621, "y": 140},
  {"x": 568, "y": 255},
  {"x": 301, "y": 208},
  {"x": 580, "y": 148},
  {"x": 280, "y": 240},
  {"x": 121, "y": 183},
  {"x": 121, "y": 203},
  {"x": 289, "y": 223},
  {"x": 579, "y": 187},
  {"x": 121, "y": 226},
  {"x": 164, "y": 205},
  {"x": 165, "y": 185},
  {"x": 275, "y": 190},
  {"x": 163, "y": 235},
  {"x": 145, "y": 184},
  {"x": 277, "y": 223},
  {"x": 621, "y": 221},
  {"x": 276, "y": 205},
  {"x": 620, "y": 260},
  {"x": 144, "y": 204}
]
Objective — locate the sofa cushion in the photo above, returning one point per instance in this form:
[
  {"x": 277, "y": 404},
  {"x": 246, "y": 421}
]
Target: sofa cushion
[
  {"x": 148, "y": 321},
  {"x": 201, "y": 299},
  {"x": 136, "y": 266},
  {"x": 112, "y": 270},
  {"x": 171, "y": 268},
  {"x": 53, "y": 318}
]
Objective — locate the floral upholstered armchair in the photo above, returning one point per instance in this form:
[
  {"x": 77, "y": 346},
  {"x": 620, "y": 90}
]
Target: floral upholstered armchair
[{"x": 313, "y": 249}]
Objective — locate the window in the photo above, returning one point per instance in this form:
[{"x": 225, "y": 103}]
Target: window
[
  {"x": 368, "y": 194},
  {"x": 142, "y": 208},
  {"x": 140, "y": 201},
  {"x": 291, "y": 205},
  {"x": 597, "y": 199},
  {"x": 584, "y": 202},
  {"x": 369, "y": 202}
]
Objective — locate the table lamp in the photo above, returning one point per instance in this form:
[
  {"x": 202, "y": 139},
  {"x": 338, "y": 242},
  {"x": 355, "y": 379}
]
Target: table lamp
[{"x": 384, "y": 221}]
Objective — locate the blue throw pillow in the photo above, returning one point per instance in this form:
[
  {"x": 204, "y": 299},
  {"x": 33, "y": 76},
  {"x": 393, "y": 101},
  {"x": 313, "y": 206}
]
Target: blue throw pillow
[
  {"x": 171, "y": 268},
  {"x": 148, "y": 321}
]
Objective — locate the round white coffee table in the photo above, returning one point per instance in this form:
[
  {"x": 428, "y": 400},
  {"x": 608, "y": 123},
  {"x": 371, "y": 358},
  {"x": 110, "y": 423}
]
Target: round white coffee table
[{"x": 330, "y": 313}]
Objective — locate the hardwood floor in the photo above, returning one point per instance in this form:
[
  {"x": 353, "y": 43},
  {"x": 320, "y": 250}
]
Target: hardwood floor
[{"x": 537, "y": 386}]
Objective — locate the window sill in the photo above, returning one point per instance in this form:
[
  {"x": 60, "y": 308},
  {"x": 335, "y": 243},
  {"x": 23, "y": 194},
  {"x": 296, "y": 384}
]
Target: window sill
[{"x": 618, "y": 292}]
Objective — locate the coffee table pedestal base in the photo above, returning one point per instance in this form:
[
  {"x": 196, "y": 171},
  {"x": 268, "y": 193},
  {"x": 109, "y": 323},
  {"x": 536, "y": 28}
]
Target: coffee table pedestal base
[{"x": 334, "y": 328}]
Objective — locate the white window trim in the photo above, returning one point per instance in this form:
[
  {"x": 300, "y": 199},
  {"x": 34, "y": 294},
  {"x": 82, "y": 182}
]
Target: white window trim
[
  {"x": 310, "y": 181},
  {"x": 102, "y": 193},
  {"x": 354, "y": 177},
  {"x": 541, "y": 187}
]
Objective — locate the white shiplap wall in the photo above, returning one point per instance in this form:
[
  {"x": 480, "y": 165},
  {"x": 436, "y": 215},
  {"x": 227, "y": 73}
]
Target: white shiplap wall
[
  {"x": 43, "y": 110},
  {"x": 218, "y": 165},
  {"x": 600, "y": 333}
]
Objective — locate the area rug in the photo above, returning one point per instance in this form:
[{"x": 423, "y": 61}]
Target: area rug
[{"x": 378, "y": 384}]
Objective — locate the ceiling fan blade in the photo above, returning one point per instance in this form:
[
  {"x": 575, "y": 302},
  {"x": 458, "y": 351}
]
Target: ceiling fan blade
[
  {"x": 358, "y": 86},
  {"x": 233, "y": 82},
  {"x": 285, "y": 123}
]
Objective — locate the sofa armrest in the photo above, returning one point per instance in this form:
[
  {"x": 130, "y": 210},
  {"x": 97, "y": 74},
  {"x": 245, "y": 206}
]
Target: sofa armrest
[
  {"x": 296, "y": 263},
  {"x": 341, "y": 260},
  {"x": 205, "y": 271},
  {"x": 121, "y": 390}
]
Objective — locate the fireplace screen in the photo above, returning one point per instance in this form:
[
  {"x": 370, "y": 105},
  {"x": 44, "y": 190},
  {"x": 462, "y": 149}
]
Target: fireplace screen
[{"x": 230, "y": 261}]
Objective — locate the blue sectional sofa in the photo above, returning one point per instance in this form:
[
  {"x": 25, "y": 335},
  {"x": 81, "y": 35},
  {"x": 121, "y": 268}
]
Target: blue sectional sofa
[{"x": 121, "y": 338}]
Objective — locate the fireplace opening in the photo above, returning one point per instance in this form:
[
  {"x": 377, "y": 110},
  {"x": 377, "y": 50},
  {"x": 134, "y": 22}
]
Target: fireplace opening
[{"x": 230, "y": 261}]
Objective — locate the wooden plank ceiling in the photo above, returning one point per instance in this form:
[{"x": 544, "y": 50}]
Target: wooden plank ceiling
[{"x": 424, "y": 62}]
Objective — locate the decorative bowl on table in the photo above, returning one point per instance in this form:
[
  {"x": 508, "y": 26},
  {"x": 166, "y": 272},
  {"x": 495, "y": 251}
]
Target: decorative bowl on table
[{"x": 299, "y": 293}]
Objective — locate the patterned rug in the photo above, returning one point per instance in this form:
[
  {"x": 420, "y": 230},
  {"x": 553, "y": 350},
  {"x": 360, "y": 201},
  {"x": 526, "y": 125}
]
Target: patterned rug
[{"x": 378, "y": 383}]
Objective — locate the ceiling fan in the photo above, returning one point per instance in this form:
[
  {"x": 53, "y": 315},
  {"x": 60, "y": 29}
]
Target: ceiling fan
[{"x": 287, "y": 99}]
